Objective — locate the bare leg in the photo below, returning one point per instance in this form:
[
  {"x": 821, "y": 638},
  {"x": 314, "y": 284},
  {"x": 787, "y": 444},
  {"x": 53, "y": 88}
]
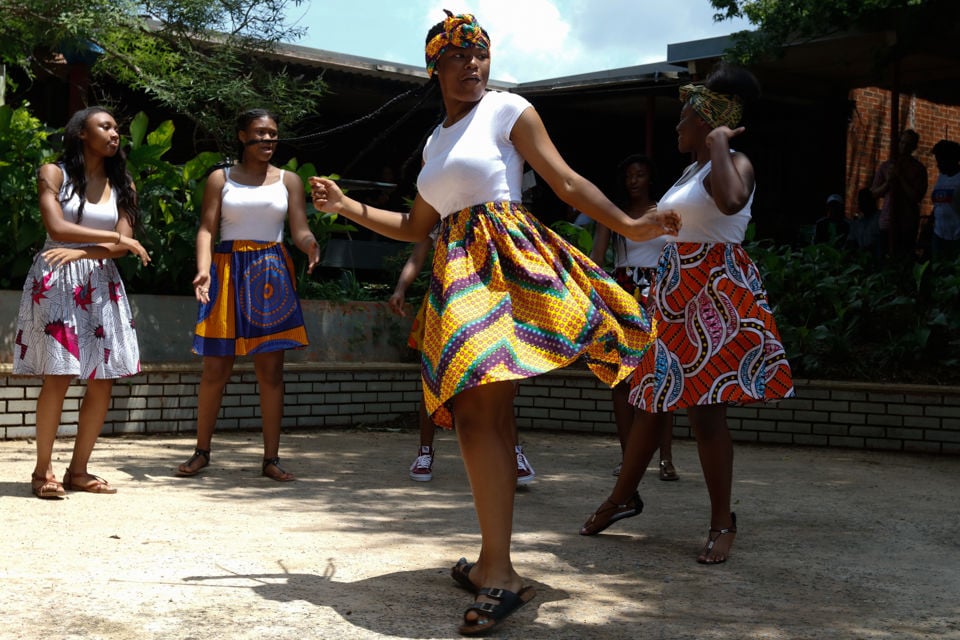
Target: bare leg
[
  {"x": 49, "y": 409},
  {"x": 664, "y": 424},
  {"x": 93, "y": 411},
  {"x": 623, "y": 413},
  {"x": 642, "y": 442},
  {"x": 427, "y": 427},
  {"x": 715, "y": 448},
  {"x": 213, "y": 379},
  {"x": 487, "y": 446},
  {"x": 269, "y": 369}
]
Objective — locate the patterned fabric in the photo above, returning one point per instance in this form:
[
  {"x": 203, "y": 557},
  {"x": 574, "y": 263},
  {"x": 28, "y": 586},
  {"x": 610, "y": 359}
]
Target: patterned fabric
[
  {"x": 716, "y": 109},
  {"x": 460, "y": 31},
  {"x": 636, "y": 281},
  {"x": 510, "y": 299},
  {"x": 717, "y": 340},
  {"x": 253, "y": 305},
  {"x": 75, "y": 320},
  {"x": 415, "y": 338}
]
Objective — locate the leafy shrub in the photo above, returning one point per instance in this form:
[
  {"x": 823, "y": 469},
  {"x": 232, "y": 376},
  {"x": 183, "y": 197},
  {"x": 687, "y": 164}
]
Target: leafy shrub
[{"x": 24, "y": 147}]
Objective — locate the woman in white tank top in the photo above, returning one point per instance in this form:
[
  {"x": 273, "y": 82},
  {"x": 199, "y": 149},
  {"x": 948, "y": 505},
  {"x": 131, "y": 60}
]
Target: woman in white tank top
[
  {"x": 74, "y": 319},
  {"x": 245, "y": 285},
  {"x": 635, "y": 266},
  {"x": 717, "y": 342}
]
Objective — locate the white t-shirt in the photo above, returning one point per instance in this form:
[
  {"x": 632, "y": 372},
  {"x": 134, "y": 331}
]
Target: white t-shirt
[
  {"x": 253, "y": 213},
  {"x": 473, "y": 161},
  {"x": 946, "y": 219},
  {"x": 702, "y": 219}
]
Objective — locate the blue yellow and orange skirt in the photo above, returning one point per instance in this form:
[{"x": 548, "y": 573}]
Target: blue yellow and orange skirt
[
  {"x": 253, "y": 305},
  {"x": 510, "y": 299},
  {"x": 717, "y": 342}
]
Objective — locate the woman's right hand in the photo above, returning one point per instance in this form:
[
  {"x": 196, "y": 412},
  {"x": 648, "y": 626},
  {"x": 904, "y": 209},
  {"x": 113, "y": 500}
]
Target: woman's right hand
[
  {"x": 133, "y": 245},
  {"x": 396, "y": 304},
  {"x": 327, "y": 196},
  {"x": 654, "y": 224},
  {"x": 201, "y": 287}
]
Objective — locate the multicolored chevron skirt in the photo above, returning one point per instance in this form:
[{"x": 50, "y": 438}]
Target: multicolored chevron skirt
[
  {"x": 253, "y": 305},
  {"x": 510, "y": 299},
  {"x": 717, "y": 341}
]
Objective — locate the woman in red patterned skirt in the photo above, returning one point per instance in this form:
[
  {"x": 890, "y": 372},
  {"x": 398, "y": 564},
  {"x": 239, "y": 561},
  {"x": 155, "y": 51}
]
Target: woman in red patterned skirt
[{"x": 717, "y": 343}]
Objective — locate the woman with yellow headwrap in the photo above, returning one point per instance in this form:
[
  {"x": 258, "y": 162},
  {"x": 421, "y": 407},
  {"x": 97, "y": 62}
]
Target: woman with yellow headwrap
[
  {"x": 509, "y": 299},
  {"x": 717, "y": 342}
]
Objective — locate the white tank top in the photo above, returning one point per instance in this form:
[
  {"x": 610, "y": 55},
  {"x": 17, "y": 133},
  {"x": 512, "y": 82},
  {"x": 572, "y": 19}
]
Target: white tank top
[
  {"x": 102, "y": 216},
  {"x": 252, "y": 212},
  {"x": 702, "y": 219},
  {"x": 638, "y": 254}
]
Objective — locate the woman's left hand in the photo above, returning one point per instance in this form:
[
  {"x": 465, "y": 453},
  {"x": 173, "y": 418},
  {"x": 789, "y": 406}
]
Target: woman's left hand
[
  {"x": 59, "y": 256},
  {"x": 723, "y": 134}
]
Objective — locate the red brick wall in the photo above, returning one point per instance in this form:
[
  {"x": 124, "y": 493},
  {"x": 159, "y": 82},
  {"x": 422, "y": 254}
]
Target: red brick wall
[{"x": 868, "y": 136}]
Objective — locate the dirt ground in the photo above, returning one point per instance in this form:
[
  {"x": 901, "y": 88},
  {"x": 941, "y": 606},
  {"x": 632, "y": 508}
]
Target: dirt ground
[{"x": 832, "y": 544}]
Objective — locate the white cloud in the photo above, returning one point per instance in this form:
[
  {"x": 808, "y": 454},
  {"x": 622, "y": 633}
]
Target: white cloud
[{"x": 532, "y": 39}]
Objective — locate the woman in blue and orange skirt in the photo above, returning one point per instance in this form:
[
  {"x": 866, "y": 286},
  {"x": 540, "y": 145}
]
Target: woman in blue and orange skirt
[
  {"x": 717, "y": 342},
  {"x": 508, "y": 299},
  {"x": 245, "y": 286}
]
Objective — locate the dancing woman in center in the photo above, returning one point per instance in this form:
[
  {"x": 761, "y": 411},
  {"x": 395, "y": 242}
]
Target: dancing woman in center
[{"x": 508, "y": 298}]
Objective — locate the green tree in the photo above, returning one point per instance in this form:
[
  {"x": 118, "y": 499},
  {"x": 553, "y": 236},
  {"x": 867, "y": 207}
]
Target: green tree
[
  {"x": 204, "y": 59},
  {"x": 783, "y": 22}
]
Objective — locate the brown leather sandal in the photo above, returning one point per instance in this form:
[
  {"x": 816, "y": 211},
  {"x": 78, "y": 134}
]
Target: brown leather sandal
[
  {"x": 45, "y": 488},
  {"x": 95, "y": 484},
  {"x": 609, "y": 512}
]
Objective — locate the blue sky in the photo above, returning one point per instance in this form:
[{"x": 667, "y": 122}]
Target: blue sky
[{"x": 532, "y": 39}]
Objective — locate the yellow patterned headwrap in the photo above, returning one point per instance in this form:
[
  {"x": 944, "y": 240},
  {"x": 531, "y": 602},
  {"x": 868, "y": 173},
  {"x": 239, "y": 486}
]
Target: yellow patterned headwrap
[
  {"x": 460, "y": 31},
  {"x": 716, "y": 109}
]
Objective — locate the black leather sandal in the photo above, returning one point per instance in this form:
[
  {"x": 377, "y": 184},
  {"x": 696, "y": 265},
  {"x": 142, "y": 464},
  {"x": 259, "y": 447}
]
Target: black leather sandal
[
  {"x": 492, "y": 614},
  {"x": 609, "y": 512},
  {"x": 285, "y": 476},
  {"x": 712, "y": 538},
  {"x": 198, "y": 453}
]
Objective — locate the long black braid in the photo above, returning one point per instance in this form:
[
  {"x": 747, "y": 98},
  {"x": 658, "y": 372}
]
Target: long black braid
[{"x": 115, "y": 167}]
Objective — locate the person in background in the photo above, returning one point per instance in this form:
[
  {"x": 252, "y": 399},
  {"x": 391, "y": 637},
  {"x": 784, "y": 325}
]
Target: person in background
[
  {"x": 833, "y": 227},
  {"x": 946, "y": 201},
  {"x": 421, "y": 469},
  {"x": 635, "y": 265},
  {"x": 717, "y": 343},
  {"x": 509, "y": 299},
  {"x": 902, "y": 183},
  {"x": 245, "y": 285},
  {"x": 864, "y": 227},
  {"x": 74, "y": 319}
]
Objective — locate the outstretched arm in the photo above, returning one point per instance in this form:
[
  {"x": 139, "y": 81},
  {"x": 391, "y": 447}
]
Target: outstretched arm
[
  {"x": 408, "y": 227},
  {"x": 532, "y": 141}
]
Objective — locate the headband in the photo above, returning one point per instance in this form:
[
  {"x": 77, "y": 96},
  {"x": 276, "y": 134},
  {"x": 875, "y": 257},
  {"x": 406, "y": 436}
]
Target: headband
[
  {"x": 716, "y": 109},
  {"x": 460, "y": 31}
]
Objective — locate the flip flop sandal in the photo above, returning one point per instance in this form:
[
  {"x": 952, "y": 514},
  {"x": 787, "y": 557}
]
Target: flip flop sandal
[
  {"x": 493, "y": 614},
  {"x": 712, "y": 538},
  {"x": 461, "y": 575},
  {"x": 198, "y": 453}
]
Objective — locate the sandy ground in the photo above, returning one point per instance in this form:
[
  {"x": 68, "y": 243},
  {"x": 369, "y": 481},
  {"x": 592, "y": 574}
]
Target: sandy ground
[{"x": 832, "y": 544}]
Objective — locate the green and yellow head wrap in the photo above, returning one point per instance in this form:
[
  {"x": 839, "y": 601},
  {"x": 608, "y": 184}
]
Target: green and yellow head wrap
[
  {"x": 460, "y": 31},
  {"x": 716, "y": 109}
]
